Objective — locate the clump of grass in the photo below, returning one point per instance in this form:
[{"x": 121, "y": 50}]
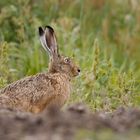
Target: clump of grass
[{"x": 4, "y": 72}]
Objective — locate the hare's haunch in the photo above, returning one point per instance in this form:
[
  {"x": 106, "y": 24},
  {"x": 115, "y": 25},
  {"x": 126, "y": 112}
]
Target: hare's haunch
[{"x": 35, "y": 93}]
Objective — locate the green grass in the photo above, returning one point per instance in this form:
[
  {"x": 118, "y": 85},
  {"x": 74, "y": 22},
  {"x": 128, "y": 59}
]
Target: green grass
[{"x": 103, "y": 36}]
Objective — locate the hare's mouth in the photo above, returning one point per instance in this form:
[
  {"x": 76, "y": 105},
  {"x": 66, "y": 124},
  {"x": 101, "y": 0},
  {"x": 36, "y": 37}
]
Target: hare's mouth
[{"x": 76, "y": 73}]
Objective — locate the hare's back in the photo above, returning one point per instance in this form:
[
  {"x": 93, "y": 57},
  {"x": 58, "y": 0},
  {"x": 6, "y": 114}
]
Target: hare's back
[
  {"x": 30, "y": 86},
  {"x": 34, "y": 93}
]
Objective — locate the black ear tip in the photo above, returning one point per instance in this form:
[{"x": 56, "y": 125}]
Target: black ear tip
[
  {"x": 41, "y": 31},
  {"x": 50, "y": 28}
]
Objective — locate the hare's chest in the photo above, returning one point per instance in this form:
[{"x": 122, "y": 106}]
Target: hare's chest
[
  {"x": 64, "y": 93},
  {"x": 65, "y": 88}
]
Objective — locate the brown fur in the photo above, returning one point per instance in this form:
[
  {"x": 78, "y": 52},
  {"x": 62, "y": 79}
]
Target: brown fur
[{"x": 35, "y": 93}]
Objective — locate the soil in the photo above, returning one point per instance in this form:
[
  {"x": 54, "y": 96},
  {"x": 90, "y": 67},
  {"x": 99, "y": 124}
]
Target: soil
[{"x": 54, "y": 124}]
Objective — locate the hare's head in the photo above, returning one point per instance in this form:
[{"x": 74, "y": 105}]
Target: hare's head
[{"x": 58, "y": 63}]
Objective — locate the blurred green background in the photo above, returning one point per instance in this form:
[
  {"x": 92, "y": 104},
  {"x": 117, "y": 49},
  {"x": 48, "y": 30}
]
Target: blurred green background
[{"x": 103, "y": 36}]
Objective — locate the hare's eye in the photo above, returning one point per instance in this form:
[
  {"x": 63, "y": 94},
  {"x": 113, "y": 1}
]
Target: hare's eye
[{"x": 66, "y": 60}]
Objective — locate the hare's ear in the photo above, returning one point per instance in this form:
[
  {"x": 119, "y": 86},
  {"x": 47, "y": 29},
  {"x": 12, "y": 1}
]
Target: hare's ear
[{"x": 48, "y": 40}]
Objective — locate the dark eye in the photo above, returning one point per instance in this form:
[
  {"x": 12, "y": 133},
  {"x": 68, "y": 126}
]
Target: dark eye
[{"x": 67, "y": 60}]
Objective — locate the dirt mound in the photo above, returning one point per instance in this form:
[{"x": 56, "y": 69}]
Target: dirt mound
[{"x": 55, "y": 124}]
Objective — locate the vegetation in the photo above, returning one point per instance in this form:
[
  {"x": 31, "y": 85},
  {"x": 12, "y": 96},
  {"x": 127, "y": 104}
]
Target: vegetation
[{"x": 103, "y": 37}]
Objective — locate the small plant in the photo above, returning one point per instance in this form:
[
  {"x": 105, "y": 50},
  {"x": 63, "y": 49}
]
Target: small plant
[{"x": 104, "y": 86}]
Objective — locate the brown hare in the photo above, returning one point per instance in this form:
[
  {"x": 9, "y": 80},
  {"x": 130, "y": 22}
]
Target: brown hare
[{"x": 40, "y": 91}]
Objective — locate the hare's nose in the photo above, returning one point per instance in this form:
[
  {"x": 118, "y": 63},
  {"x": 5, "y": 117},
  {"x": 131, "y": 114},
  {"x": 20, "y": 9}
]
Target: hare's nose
[{"x": 78, "y": 70}]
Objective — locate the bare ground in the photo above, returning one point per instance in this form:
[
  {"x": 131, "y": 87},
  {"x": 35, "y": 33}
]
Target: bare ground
[{"x": 56, "y": 124}]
